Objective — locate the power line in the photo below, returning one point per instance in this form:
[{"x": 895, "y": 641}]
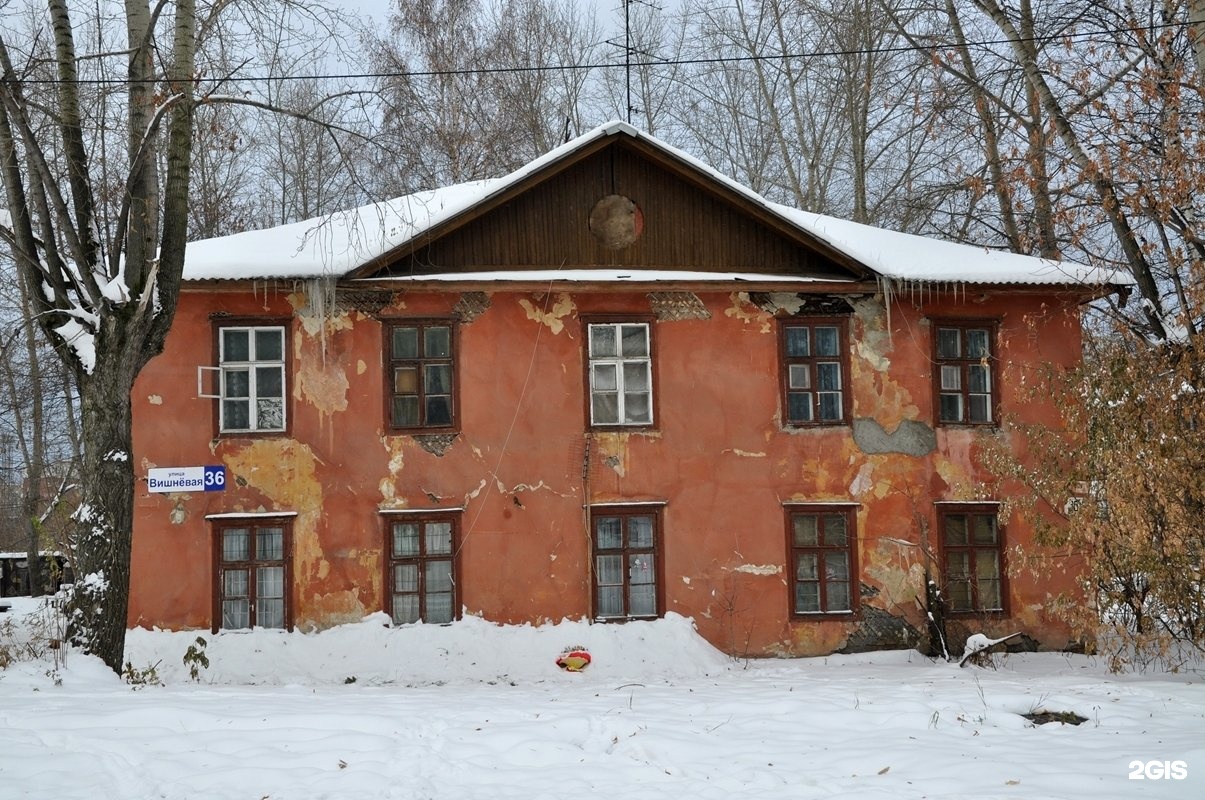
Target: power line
[{"x": 611, "y": 65}]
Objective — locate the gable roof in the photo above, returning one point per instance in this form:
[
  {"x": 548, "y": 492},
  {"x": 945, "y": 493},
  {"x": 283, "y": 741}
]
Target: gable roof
[{"x": 361, "y": 242}]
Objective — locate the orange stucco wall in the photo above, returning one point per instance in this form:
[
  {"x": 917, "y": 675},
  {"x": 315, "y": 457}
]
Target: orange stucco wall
[{"x": 719, "y": 460}]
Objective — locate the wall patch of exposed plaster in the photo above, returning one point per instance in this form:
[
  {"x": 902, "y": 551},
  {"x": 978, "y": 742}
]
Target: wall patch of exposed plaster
[
  {"x": 874, "y": 342},
  {"x": 910, "y": 438},
  {"x": 744, "y": 311},
  {"x": 155, "y": 400},
  {"x": 759, "y": 569},
  {"x": 736, "y": 451},
  {"x": 555, "y": 316},
  {"x": 361, "y": 367},
  {"x": 437, "y": 444}
]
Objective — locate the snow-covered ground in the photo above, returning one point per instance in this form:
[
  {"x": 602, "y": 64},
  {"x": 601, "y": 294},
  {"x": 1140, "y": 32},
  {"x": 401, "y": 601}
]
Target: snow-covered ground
[{"x": 475, "y": 710}]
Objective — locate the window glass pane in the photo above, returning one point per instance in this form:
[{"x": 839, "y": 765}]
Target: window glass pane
[
  {"x": 837, "y": 596},
  {"x": 270, "y": 613},
  {"x": 830, "y": 406},
  {"x": 405, "y": 380},
  {"x": 609, "y": 570},
  {"x": 236, "y": 415},
  {"x": 949, "y": 343},
  {"x": 642, "y": 600},
  {"x": 981, "y": 408},
  {"x": 438, "y": 378},
  {"x": 835, "y": 530},
  {"x": 605, "y": 378},
  {"x": 236, "y": 345},
  {"x": 439, "y": 538},
  {"x": 236, "y": 383},
  {"x": 987, "y": 565},
  {"x": 960, "y": 566},
  {"x": 636, "y": 376},
  {"x": 827, "y": 341},
  {"x": 405, "y": 608},
  {"x": 799, "y": 407},
  {"x": 959, "y": 595},
  {"x": 983, "y": 528},
  {"x": 951, "y": 377},
  {"x": 636, "y": 407},
  {"x": 640, "y": 568},
  {"x": 807, "y": 567},
  {"x": 235, "y": 583},
  {"x": 270, "y": 544},
  {"x": 604, "y": 408},
  {"x": 437, "y": 342},
  {"x": 439, "y": 608},
  {"x": 405, "y": 539},
  {"x": 602, "y": 341},
  {"x": 439, "y": 410},
  {"x": 979, "y": 378},
  {"x": 806, "y": 531},
  {"x": 828, "y": 376},
  {"x": 640, "y": 531},
  {"x": 269, "y": 382},
  {"x": 269, "y": 583},
  {"x": 438, "y": 576},
  {"x": 635, "y": 340},
  {"x": 977, "y": 343},
  {"x": 405, "y": 343},
  {"x": 235, "y": 544},
  {"x": 405, "y": 411},
  {"x": 956, "y": 529},
  {"x": 269, "y": 415},
  {"x": 609, "y": 533},
  {"x": 807, "y": 597},
  {"x": 797, "y": 341},
  {"x": 236, "y": 614},
  {"x": 799, "y": 376},
  {"x": 836, "y": 566},
  {"x": 269, "y": 345},
  {"x": 951, "y": 408},
  {"x": 405, "y": 578},
  {"x": 610, "y": 601}
]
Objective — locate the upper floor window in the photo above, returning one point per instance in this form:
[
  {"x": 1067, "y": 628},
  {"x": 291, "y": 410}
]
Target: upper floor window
[
  {"x": 626, "y": 545},
  {"x": 620, "y": 373},
  {"x": 252, "y": 366},
  {"x": 823, "y": 560},
  {"x": 966, "y": 366},
  {"x": 253, "y": 575},
  {"x": 815, "y": 364},
  {"x": 973, "y": 554},
  {"x": 422, "y": 554},
  {"x": 421, "y": 368}
]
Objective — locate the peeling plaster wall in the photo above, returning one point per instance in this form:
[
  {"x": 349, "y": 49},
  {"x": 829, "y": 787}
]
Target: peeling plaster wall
[{"x": 523, "y": 465}]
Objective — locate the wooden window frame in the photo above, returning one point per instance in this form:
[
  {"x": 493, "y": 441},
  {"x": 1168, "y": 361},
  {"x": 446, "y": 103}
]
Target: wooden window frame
[
  {"x": 220, "y": 565},
  {"x": 588, "y": 371},
  {"x": 391, "y": 559},
  {"x": 974, "y": 580},
  {"x": 625, "y": 551},
  {"x": 850, "y": 549},
  {"x": 964, "y": 364},
  {"x": 220, "y": 324},
  {"x": 841, "y": 323},
  {"x": 452, "y": 360}
]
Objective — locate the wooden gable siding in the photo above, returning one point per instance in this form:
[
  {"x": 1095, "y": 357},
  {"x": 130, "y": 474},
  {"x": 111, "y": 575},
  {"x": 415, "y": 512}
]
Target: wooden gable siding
[{"x": 687, "y": 225}]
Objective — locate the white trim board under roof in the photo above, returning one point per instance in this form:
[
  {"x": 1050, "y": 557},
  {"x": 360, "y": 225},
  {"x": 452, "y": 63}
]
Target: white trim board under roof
[{"x": 353, "y": 243}]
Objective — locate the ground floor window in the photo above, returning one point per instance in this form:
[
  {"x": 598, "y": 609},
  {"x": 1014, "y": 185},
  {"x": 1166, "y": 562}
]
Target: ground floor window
[
  {"x": 253, "y": 575},
  {"x": 627, "y": 561},
  {"x": 973, "y": 557},
  {"x": 823, "y": 563},
  {"x": 421, "y": 569}
]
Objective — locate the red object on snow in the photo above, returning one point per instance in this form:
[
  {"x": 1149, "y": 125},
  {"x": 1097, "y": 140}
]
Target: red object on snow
[{"x": 573, "y": 660}]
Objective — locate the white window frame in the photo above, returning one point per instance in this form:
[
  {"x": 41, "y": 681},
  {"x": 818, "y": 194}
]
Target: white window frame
[
  {"x": 619, "y": 361},
  {"x": 251, "y": 367}
]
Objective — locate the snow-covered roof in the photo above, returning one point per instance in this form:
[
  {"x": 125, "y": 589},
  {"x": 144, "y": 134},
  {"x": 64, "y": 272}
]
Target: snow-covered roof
[{"x": 334, "y": 245}]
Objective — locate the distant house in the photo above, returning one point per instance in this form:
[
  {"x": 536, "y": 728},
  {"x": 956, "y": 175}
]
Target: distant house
[{"x": 614, "y": 384}]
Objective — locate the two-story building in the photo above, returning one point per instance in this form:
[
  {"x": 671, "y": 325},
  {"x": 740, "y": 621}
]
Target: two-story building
[{"x": 614, "y": 384}]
